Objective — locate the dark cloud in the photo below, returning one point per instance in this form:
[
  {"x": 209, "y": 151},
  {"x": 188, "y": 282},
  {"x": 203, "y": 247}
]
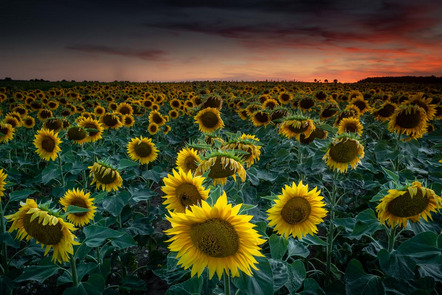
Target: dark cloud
[{"x": 149, "y": 55}]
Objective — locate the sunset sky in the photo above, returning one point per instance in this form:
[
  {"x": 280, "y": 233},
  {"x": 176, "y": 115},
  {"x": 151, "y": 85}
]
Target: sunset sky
[{"x": 180, "y": 40}]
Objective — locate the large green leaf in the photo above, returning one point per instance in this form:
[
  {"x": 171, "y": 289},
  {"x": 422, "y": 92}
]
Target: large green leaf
[
  {"x": 366, "y": 225},
  {"x": 311, "y": 287},
  {"x": 278, "y": 246},
  {"x": 397, "y": 265},
  {"x": 261, "y": 281},
  {"x": 20, "y": 195},
  {"x": 296, "y": 248},
  {"x": 96, "y": 235},
  {"x": 280, "y": 273},
  {"x": 37, "y": 273},
  {"x": 296, "y": 276},
  {"x": 422, "y": 247},
  {"x": 193, "y": 285},
  {"x": 49, "y": 173},
  {"x": 358, "y": 282}
]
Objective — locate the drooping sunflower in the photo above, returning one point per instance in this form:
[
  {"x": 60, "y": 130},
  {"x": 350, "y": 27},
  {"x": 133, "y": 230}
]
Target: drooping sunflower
[
  {"x": 53, "y": 124},
  {"x": 350, "y": 125},
  {"x": 6, "y": 132},
  {"x": 221, "y": 165},
  {"x": 93, "y": 127},
  {"x": 40, "y": 223},
  {"x": 410, "y": 120},
  {"x": 44, "y": 114},
  {"x": 214, "y": 237},
  {"x": 385, "y": 111},
  {"x": 295, "y": 126},
  {"x": 247, "y": 143},
  {"x": 187, "y": 160},
  {"x": 77, "y": 134},
  {"x": 183, "y": 190},
  {"x": 209, "y": 120},
  {"x": 306, "y": 103},
  {"x": 409, "y": 203},
  {"x": 318, "y": 133},
  {"x": 78, "y": 198},
  {"x": 297, "y": 211},
  {"x": 105, "y": 176},
  {"x": 47, "y": 144},
  {"x": 3, "y": 176},
  {"x": 344, "y": 150},
  {"x": 330, "y": 110},
  {"x": 142, "y": 149},
  {"x": 425, "y": 103}
]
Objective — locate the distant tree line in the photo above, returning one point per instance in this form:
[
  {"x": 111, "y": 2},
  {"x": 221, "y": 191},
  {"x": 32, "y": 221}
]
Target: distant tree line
[{"x": 404, "y": 79}]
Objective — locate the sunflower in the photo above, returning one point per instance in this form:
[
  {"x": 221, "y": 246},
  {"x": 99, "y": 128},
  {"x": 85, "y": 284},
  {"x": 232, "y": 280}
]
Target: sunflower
[
  {"x": 78, "y": 198},
  {"x": 156, "y": 118},
  {"x": 128, "y": 120},
  {"x": 260, "y": 118},
  {"x": 125, "y": 109},
  {"x": 214, "y": 237},
  {"x": 183, "y": 190},
  {"x": 306, "y": 103},
  {"x": 342, "y": 151},
  {"x": 188, "y": 160},
  {"x": 410, "y": 120},
  {"x": 209, "y": 120},
  {"x": 212, "y": 102},
  {"x": 153, "y": 128},
  {"x": 38, "y": 222},
  {"x": 99, "y": 110},
  {"x": 13, "y": 121},
  {"x": 410, "y": 203},
  {"x": 47, "y": 144},
  {"x": 285, "y": 98},
  {"x": 385, "y": 111},
  {"x": 2, "y": 183},
  {"x": 53, "y": 124},
  {"x": 166, "y": 129},
  {"x": 77, "y": 134},
  {"x": 361, "y": 104},
  {"x": 328, "y": 111},
  {"x": 6, "y": 132},
  {"x": 270, "y": 104},
  {"x": 249, "y": 144},
  {"x": 93, "y": 127},
  {"x": 28, "y": 122},
  {"x": 425, "y": 103},
  {"x": 297, "y": 211},
  {"x": 142, "y": 149},
  {"x": 105, "y": 176},
  {"x": 110, "y": 121},
  {"x": 318, "y": 133},
  {"x": 350, "y": 125},
  {"x": 220, "y": 166},
  {"x": 294, "y": 127},
  {"x": 44, "y": 114},
  {"x": 173, "y": 114}
]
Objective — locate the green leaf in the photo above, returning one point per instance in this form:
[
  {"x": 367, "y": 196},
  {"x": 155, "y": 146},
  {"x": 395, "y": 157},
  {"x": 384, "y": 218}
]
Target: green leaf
[
  {"x": 49, "y": 173},
  {"x": 156, "y": 174},
  {"x": 6, "y": 238},
  {"x": 278, "y": 246},
  {"x": 296, "y": 248},
  {"x": 314, "y": 240},
  {"x": 261, "y": 281},
  {"x": 280, "y": 274},
  {"x": 171, "y": 272},
  {"x": 245, "y": 208},
  {"x": 133, "y": 283},
  {"x": 296, "y": 276},
  {"x": 359, "y": 282},
  {"x": 126, "y": 163},
  {"x": 115, "y": 204},
  {"x": 366, "y": 225},
  {"x": 396, "y": 265},
  {"x": 139, "y": 195},
  {"x": 96, "y": 235},
  {"x": 193, "y": 285},
  {"x": 20, "y": 195},
  {"x": 123, "y": 242},
  {"x": 311, "y": 287},
  {"x": 76, "y": 209},
  {"x": 329, "y": 128},
  {"x": 422, "y": 248},
  {"x": 393, "y": 176},
  {"x": 37, "y": 273}
]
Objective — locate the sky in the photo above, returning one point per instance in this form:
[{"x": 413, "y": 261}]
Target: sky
[{"x": 240, "y": 40}]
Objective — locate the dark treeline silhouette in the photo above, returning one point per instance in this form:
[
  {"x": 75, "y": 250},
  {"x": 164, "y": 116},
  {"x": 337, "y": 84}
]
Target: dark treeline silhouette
[{"x": 403, "y": 79}]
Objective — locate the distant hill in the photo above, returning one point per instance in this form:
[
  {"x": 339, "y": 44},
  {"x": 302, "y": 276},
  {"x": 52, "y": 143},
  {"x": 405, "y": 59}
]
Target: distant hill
[{"x": 403, "y": 79}]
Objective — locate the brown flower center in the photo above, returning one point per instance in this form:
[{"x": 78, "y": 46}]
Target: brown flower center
[
  {"x": 296, "y": 210},
  {"x": 209, "y": 119},
  {"x": 407, "y": 206},
  {"x": 143, "y": 149},
  {"x": 409, "y": 120},
  {"x": 48, "y": 144},
  {"x": 344, "y": 151},
  {"x": 46, "y": 234}
]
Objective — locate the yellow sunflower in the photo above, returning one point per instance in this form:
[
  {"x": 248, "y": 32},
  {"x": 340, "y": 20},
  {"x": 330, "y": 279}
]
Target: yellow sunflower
[
  {"x": 361, "y": 104},
  {"x": 270, "y": 104},
  {"x": 2, "y": 183},
  {"x": 260, "y": 118},
  {"x": 247, "y": 143},
  {"x": 128, "y": 120},
  {"x": 297, "y": 126},
  {"x": 47, "y": 144},
  {"x": 6, "y": 132},
  {"x": 173, "y": 114},
  {"x": 183, "y": 190},
  {"x": 297, "y": 211},
  {"x": 77, "y": 134},
  {"x": 99, "y": 110},
  {"x": 110, "y": 121},
  {"x": 153, "y": 128},
  {"x": 209, "y": 120},
  {"x": 28, "y": 122},
  {"x": 343, "y": 151},
  {"x": 125, "y": 109},
  {"x": 215, "y": 237},
  {"x": 410, "y": 120},
  {"x": 425, "y": 103},
  {"x": 188, "y": 160},
  {"x": 13, "y": 121},
  {"x": 285, "y": 98},
  {"x": 350, "y": 125},
  {"x": 221, "y": 165},
  {"x": 46, "y": 228},
  {"x": 78, "y": 198},
  {"x": 93, "y": 127},
  {"x": 142, "y": 149},
  {"x": 385, "y": 111},
  {"x": 410, "y": 203},
  {"x": 53, "y": 124},
  {"x": 105, "y": 176},
  {"x": 156, "y": 118}
]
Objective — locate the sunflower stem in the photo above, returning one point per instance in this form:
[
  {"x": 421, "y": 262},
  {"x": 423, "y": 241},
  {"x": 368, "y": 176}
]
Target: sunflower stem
[
  {"x": 226, "y": 283},
  {"x": 74, "y": 270},
  {"x": 4, "y": 248},
  {"x": 330, "y": 238},
  {"x": 391, "y": 238},
  {"x": 60, "y": 167},
  {"x": 9, "y": 156}
]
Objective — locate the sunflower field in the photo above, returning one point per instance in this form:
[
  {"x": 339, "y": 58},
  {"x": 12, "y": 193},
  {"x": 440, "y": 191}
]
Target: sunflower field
[{"x": 220, "y": 188}]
